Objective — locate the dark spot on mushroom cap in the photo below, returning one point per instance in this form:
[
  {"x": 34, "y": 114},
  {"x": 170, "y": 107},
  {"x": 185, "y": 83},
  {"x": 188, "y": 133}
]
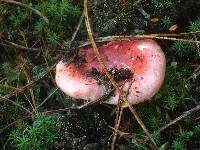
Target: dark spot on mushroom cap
[
  {"x": 93, "y": 72},
  {"x": 121, "y": 74}
]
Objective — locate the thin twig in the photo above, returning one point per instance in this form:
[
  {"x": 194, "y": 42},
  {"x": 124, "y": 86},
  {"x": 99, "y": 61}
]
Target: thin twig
[
  {"x": 181, "y": 117},
  {"x": 136, "y": 37},
  {"x": 29, "y": 7},
  {"x": 45, "y": 100},
  {"x": 29, "y": 85},
  {"x": 195, "y": 73},
  {"x": 142, "y": 124},
  {"x": 11, "y": 44},
  {"x": 57, "y": 110},
  {"x": 177, "y": 34},
  {"x": 11, "y": 87},
  {"x": 197, "y": 44},
  {"x": 131, "y": 136},
  {"x": 77, "y": 28},
  {"x": 30, "y": 89},
  {"x": 29, "y": 103},
  {"x": 14, "y": 103},
  {"x": 117, "y": 124}
]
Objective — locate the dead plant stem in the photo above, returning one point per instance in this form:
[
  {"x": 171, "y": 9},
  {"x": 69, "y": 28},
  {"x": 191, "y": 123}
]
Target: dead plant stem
[
  {"x": 181, "y": 117},
  {"x": 119, "y": 113}
]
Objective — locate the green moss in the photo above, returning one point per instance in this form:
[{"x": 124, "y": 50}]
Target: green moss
[
  {"x": 12, "y": 73},
  {"x": 166, "y": 21},
  {"x": 162, "y": 5},
  {"x": 187, "y": 49},
  {"x": 61, "y": 15},
  {"x": 175, "y": 88},
  {"x": 43, "y": 134},
  {"x": 178, "y": 145},
  {"x": 197, "y": 129}
]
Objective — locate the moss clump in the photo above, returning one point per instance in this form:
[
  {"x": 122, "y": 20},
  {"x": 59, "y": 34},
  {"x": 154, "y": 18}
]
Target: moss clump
[
  {"x": 73, "y": 131},
  {"x": 187, "y": 49},
  {"x": 43, "y": 134},
  {"x": 61, "y": 15}
]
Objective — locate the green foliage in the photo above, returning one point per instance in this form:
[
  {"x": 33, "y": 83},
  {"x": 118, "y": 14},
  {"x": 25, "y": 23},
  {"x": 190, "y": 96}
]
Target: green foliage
[
  {"x": 182, "y": 138},
  {"x": 11, "y": 72},
  {"x": 156, "y": 136},
  {"x": 136, "y": 145},
  {"x": 195, "y": 25},
  {"x": 187, "y": 49},
  {"x": 178, "y": 145},
  {"x": 62, "y": 16},
  {"x": 153, "y": 122},
  {"x": 185, "y": 135},
  {"x": 184, "y": 49},
  {"x": 197, "y": 129},
  {"x": 162, "y": 5},
  {"x": 60, "y": 10},
  {"x": 43, "y": 134},
  {"x": 20, "y": 17},
  {"x": 40, "y": 25},
  {"x": 166, "y": 21},
  {"x": 37, "y": 72},
  {"x": 175, "y": 88}
]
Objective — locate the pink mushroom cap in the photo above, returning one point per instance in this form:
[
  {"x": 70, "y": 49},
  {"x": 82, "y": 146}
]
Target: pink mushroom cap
[{"x": 144, "y": 58}]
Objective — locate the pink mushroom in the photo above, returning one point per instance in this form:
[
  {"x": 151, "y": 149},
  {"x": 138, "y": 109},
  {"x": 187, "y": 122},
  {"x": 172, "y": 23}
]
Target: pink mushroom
[{"x": 144, "y": 58}]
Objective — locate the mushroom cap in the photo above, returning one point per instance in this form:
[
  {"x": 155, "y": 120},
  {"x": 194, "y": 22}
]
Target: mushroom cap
[{"x": 144, "y": 58}]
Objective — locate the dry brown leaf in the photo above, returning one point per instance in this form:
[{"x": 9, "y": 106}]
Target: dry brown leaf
[
  {"x": 154, "y": 20},
  {"x": 1, "y": 35},
  {"x": 173, "y": 28}
]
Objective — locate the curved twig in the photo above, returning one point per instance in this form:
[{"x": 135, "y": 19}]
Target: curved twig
[
  {"x": 29, "y": 7},
  {"x": 181, "y": 117},
  {"x": 11, "y": 44},
  {"x": 136, "y": 37}
]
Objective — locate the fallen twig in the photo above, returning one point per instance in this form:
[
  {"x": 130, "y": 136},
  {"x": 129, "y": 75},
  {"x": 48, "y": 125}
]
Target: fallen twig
[
  {"x": 195, "y": 73},
  {"x": 11, "y": 44},
  {"x": 45, "y": 100},
  {"x": 77, "y": 28},
  {"x": 177, "y": 34},
  {"x": 29, "y": 85},
  {"x": 131, "y": 137},
  {"x": 14, "y": 103},
  {"x": 136, "y": 37},
  {"x": 181, "y": 117},
  {"x": 117, "y": 124}
]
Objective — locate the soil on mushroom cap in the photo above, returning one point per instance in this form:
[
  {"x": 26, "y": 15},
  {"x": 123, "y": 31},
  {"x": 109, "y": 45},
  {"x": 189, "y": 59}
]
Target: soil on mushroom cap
[{"x": 120, "y": 74}]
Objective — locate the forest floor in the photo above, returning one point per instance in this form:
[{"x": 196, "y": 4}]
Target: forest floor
[{"x": 34, "y": 114}]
